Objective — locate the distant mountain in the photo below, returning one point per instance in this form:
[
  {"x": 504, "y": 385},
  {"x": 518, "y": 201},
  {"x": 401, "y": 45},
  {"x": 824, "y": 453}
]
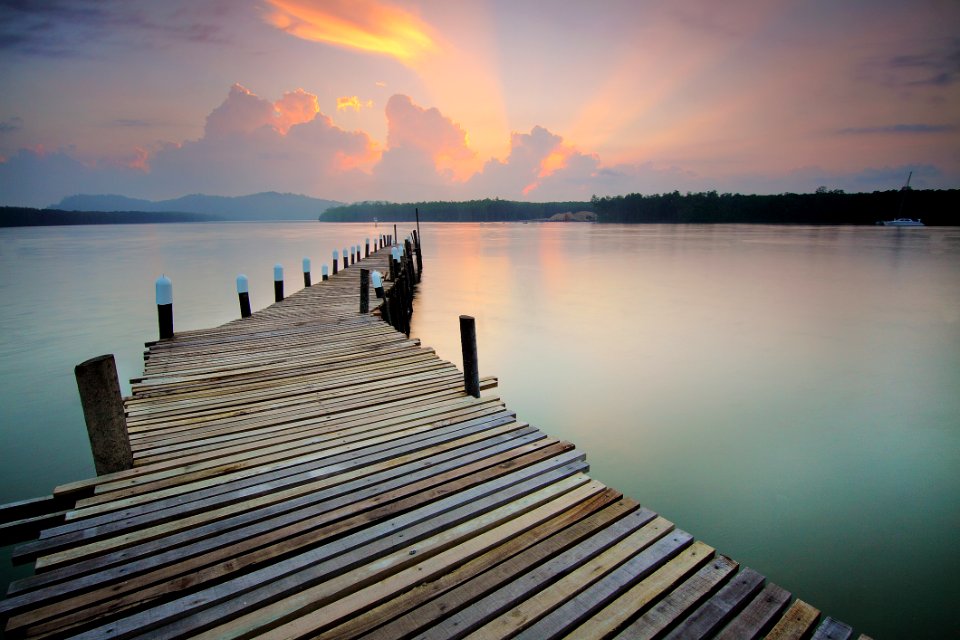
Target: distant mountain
[{"x": 259, "y": 206}]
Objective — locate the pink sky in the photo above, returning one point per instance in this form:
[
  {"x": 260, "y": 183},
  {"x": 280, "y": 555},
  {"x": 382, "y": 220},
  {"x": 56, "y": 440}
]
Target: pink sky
[{"x": 363, "y": 99}]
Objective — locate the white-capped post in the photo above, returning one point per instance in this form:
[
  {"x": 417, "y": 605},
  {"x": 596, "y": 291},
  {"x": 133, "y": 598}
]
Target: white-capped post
[
  {"x": 366, "y": 248},
  {"x": 324, "y": 272},
  {"x": 278, "y": 282},
  {"x": 306, "y": 272},
  {"x": 336, "y": 260},
  {"x": 243, "y": 293},
  {"x": 165, "y": 307},
  {"x": 377, "y": 278},
  {"x": 345, "y": 258}
]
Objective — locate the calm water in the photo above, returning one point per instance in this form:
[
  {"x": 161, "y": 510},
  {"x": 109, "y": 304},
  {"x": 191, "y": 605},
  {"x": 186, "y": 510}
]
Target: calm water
[{"x": 787, "y": 394}]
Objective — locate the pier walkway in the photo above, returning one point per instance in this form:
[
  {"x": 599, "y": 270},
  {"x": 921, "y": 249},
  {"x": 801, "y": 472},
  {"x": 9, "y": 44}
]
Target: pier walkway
[{"x": 310, "y": 472}]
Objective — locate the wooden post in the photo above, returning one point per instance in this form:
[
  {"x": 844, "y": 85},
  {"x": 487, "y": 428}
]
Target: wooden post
[
  {"x": 417, "y": 213},
  {"x": 468, "y": 346},
  {"x": 336, "y": 260},
  {"x": 324, "y": 272},
  {"x": 377, "y": 278},
  {"x": 278, "y": 282},
  {"x": 306, "y": 272},
  {"x": 364, "y": 291},
  {"x": 419, "y": 254},
  {"x": 366, "y": 248},
  {"x": 353, "y": 254},
  {"x": 243, "y": 292},
  {"x": 408, "y": 247},
  {"x": 102, "y": 404},
  {"x": 345, "y": 258},
  {"x": 165, "y": 307}
]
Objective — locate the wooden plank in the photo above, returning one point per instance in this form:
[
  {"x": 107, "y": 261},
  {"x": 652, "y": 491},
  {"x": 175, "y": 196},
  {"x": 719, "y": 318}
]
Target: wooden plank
[
  {"x": 401, "y": 568},
  {"x": 759, "y": 616},
  {"x": 565, "y": 603},
  {"x": 615, "y": 615},
  {"x": 199, "y": 610},
  {"x": 519, "y": 588},
  {"x": 177, "y": 561},
  {"x": 831, "y": 629},
  {"x": 719, "y": 609},
  {"x": 433, "y": 600},
  {"x": 796, "y": 623},
  {"x": 682, "y": 599}
]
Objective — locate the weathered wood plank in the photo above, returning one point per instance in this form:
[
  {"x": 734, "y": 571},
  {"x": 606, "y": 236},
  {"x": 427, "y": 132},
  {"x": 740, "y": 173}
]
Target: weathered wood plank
[
  {"x": 715, "y": 612},
  {"x": 796, "y": 623},
  {"x": 831, "y": 629},
  {"x": 759, "y": 616},
  {"x": 682, "y": 599}
]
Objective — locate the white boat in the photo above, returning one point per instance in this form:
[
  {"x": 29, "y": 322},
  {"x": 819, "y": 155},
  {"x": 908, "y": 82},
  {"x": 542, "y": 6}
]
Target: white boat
[{"x": 903, "y": 222}]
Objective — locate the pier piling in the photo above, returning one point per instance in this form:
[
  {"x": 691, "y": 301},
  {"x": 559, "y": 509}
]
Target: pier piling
[{"x": 103, "y": 412}]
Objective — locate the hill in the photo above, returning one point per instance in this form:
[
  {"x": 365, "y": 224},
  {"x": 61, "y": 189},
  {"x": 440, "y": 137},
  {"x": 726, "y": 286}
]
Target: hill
[{"x": 269, "y": 205}]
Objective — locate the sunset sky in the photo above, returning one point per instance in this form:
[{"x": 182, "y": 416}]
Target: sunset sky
[{"x": 438, "y": 99}]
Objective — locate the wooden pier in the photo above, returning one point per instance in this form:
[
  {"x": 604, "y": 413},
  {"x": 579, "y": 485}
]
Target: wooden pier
[{"x": 310, "y": 472}]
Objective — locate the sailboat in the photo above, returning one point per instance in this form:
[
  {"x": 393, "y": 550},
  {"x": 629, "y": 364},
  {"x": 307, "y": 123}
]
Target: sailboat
[{"x": 900, "y": 221}]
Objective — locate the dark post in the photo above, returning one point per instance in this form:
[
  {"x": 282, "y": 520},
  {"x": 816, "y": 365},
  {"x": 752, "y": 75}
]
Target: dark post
[
  {"x": 417, "y": 212},
  {"x": 243, "y": 292},
  {"x": 165, "y": 307},
  {"x": 366, "y": 248},
  {"x": 278, "y": 282},
  {"x": 324, "y": 272},
  {"x": 306, "y": 272},
  {"x": 364, "y": 291},
  {"x": 336, "y": 259},
  {"x": 345, "y": 258},
  {"x": 408, "y": 248},
  {"x": 468, "y": 345},
  {"x": 394, "y": 234},
  {"x": 353, "y": 254},
  {"x": 419, "y": 255},
  {"x": 102, "y": 403}
]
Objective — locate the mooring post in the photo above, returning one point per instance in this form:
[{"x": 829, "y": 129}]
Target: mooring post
[
  {"x": 102, "y": 404},
  {"x": 165, "y": 307},
  {"x": 345, "y": 258},
  {"x": 377, "y": 278},
  {"x": 278, "y": 282},
  {"x": 417, "y": 213},
  {"x": 394, "y": 260},
  {"x": 353, "y": 254},
  {"x": 409, "y": 254},
  {"x": 306, "y": 272},
  {"x": 336, "y": 260},
  {"x": 324, "y": 272},
  {"x": 243, "y": 292},
  {"x": 416, "y": 238},
  {"x": 364, "y": 290},
  {"x": 394, "y": 234},
  {"x": 366, "y": 248},
  {"x": 468, "y": 345}
]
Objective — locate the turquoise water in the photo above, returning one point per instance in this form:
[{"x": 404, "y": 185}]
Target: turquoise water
[{"x": 786, "y": 394}]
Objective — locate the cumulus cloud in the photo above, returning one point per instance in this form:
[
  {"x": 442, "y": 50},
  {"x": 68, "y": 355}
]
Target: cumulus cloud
[{"x": 422, "y": 138}]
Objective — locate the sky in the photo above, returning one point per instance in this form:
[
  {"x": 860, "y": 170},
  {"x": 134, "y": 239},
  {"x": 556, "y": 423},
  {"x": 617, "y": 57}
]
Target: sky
[{"x": 399, "y": 100}]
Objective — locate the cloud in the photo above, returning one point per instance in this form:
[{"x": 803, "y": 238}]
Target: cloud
[
  {"x": 367, "y": 25},
  {"x": 900, "y": 129},
  {"x": 64, "y": 28},
  {"x": 345, "y": 103},
  {"x": 425, "y": 137},
  {"x": 936, "y": 66},
  {"x": 11, "y": 124}
]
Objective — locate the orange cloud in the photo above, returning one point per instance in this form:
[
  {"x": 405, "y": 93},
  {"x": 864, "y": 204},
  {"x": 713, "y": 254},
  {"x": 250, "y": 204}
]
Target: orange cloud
[
  {"x": 428, "y": 132},
  {"x": 295, "y": 107},
  {"x": 367, "y": 25},
  {"x": 352, "y": 102}
]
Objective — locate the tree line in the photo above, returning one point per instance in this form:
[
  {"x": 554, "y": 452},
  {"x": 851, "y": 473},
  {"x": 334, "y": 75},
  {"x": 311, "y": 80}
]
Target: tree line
[
  {"x": 934, "y": 207},
  {"x": 487, "y": 210}
]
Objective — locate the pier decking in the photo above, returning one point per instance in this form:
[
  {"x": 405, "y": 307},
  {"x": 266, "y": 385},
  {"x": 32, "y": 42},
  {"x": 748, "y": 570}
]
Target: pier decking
[{"x": 311, "y": 472}]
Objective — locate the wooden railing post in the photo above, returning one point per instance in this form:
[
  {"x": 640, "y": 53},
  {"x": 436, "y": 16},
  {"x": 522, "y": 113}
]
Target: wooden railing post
[
  {"x": 468, "y": 346},
  {"x": 364, "y": 290},
  {"x": 278, "y": 282},
  {"x": 102, "y": 404},
  {"x": 243, "y": 293},
  {"x": 306, "y": 272},
  {"x": 165, "y": 307}
]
